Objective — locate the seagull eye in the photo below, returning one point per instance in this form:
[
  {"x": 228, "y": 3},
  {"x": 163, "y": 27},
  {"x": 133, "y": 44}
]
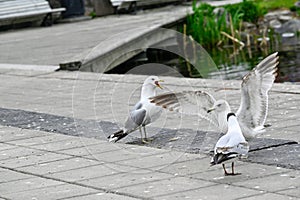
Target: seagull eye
[
  {"x": 153, "y": 79},
  {"x": 219, "y": 105}
]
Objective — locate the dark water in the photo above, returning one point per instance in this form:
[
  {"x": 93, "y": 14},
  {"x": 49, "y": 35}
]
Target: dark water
[
  {"x": 235, "y": 65},
  {"x": 231, "y": 64}
]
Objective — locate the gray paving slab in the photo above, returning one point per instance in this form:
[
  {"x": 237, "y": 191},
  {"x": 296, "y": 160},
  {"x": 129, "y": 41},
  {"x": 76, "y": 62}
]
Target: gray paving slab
[
  {"x": 269, "y": 196},
  {"x": 13, "y": 187},
  {"x": 295, "y": 192},
  {"x": 170, "y": 186},
  {"x": 287, "y": 154},
  {"x": 91, "y": 151},
  {"x": 59, "y": 166},
  {"x": 69, "y": 143},
  {"x": 157, "y": 162},
  {"x": 92, "y": 171},
  {"x": 249, "y": 171},
  {"x": 213, "y": 192},
  {"x": 103, "y": 196},
  {"x": 9, "y": 175},
  {"x": 273, "y": 183},
  {"x": 9, "y": 134},
  {"x": 32, "y": 159},
  {"x": 4, "y": 146},
  {"x": 129, "y": 179},
  {"x": 18, "y": 152},
  {"x": 36, "y": 141},
  {"x": 52, "y": 192}
]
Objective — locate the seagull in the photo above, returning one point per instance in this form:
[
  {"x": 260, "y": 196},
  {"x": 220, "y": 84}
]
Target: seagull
[
  {"x": 230, "y": 146},
  {"x": 143, "y": 113},
  {"x": 253, "y": 109}
]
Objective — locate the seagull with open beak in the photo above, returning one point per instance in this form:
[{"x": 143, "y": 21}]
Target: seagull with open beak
[{"x": 143, "y": 113}]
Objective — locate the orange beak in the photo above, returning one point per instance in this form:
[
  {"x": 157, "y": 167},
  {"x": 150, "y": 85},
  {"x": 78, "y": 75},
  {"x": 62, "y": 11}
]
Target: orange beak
[{"x": 157, "y": 83}]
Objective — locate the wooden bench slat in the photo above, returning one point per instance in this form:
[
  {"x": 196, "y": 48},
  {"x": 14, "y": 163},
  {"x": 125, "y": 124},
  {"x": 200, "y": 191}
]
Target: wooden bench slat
[{"x": 11, "y": 10}]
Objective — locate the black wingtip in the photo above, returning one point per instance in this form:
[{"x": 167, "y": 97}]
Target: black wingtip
[
  {"x": 220, "y": 158},
  {"x": 115, "y": 137}
]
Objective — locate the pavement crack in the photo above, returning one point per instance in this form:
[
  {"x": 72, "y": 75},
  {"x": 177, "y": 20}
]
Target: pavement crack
[{"x": 272, "y": 146}]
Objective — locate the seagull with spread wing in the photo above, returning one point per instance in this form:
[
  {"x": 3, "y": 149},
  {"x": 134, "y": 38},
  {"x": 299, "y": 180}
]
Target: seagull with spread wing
[
  {"x": 143, "y": 113},
  {"x": 253, "y": 109}
]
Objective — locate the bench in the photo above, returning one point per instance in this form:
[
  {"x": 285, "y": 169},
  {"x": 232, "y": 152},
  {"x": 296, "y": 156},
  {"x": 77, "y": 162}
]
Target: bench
[
  {"x": 21, "y": 11},
  {"x": 131, "y": 5}
]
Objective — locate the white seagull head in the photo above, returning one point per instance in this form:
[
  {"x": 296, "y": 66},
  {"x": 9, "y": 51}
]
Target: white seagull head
[
  {"x": 220, "y": 106},
  {"x": 153, "y": 81}
]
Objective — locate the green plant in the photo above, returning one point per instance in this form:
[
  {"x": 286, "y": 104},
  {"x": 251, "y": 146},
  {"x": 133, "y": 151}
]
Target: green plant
[
  {"x": 248, "y": 9},
  {"x": 207, "y": 26},
  {"x": 93, "y": 14}
]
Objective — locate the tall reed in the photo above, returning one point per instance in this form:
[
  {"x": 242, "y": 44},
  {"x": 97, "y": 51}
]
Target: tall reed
[{"x": 206, "y": 26}]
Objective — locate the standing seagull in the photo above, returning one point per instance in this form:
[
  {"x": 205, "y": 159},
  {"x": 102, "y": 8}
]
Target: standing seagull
[
  {"x": 143, "y": 113},
  {"x": 253, "y": 109},
  {"x": 230, "y": 146}
]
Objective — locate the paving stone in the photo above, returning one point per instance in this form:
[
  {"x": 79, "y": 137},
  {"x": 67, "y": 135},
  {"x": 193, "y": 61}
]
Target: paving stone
[
  {"x": 9, "y": 175},
  {"x": 248, "y": 171},
  {"x": 295, "y": 192},
  {"x": 133, "y": 178},
  {"x": 58, "y": 166},
  {"x": 272, "y": 183},
  {"x": 284, "y": 156},
  {"x": 4, "y": 146},
  {"x": 12, "y": 133},
  {"x": 64, "y": 144},
  {"x": 123, "y": 155},
  {"x": 212, "y": 192},
  {"x": 13, "y": 187},
  {"x": 268, "y": 196},
  {"x": 32, "y": 159},
  {"x": 51, "y": 192},
  {"x": 156, "y": 162},
  {"x": 105, "y": 169},
  {"x": 198, "y": 165},
  {"x": 50, "y": 123},
  {"x": 50, "y": 138},
  {"x": 165, "y": 187},
  {"x": 91, "y": 150},
  {"x": 18, "y": 152},
  {"x": 103, "y": 196}
]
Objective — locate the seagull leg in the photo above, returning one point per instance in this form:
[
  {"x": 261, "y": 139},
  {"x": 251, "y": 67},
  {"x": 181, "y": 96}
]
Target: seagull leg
[
  {"x": 232, "y": 168},
  {"x": 144, "y": 127},
  {"x": 141, "y": 134},
  {"x": 144, "y": 140},
  {"x": 225, "y": 172}
]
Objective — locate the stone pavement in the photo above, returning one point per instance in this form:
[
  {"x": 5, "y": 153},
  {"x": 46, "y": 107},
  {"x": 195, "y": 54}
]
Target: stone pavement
[{"x": 50, "y": 148}]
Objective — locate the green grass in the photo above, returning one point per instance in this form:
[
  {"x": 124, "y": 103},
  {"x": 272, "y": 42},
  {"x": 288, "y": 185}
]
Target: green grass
[{"x": 275, "y": 4}]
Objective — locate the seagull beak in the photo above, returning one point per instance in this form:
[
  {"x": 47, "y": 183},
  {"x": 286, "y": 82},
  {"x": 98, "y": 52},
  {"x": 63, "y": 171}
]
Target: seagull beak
[
  {"x": 209, "y": 110},
  {"x": 157, "y": 83}
]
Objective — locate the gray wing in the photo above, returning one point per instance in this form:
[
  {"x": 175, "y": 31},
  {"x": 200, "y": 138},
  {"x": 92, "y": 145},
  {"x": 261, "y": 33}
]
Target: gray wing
[
  {"x": 136, "y": 118},
  {"x": 254, "y": 92},
  {"x": 188, "y": 103}
]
